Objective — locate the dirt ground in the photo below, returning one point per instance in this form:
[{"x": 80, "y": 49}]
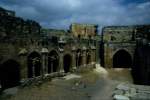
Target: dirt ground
[{"x": 97, "y": 84}]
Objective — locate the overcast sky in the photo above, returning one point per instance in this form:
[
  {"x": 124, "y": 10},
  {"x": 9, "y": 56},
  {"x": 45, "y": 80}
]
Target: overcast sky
[{"x": 61, "y": 13}]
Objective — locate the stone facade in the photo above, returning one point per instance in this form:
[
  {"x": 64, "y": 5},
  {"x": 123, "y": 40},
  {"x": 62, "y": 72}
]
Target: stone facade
[
  {"x": 118, "y": 40},
  {"x": 119, "y": 43},
  {"x": 83, "y": 30},
  {"x": 28, "y": 51}
]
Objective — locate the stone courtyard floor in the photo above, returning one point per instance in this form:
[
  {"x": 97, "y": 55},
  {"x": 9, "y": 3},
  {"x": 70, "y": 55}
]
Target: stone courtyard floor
[{"x": 97, "y": 84}]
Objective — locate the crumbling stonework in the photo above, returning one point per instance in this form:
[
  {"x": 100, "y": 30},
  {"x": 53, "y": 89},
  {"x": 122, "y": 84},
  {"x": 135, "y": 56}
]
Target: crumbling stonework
[
  {"x": 127, "y": 47},
  {"x": 141, "y": 65},
  {"x": 117, "y": 39},
  {"x": 120, "y": 38},
  {"x": 35, "y": 52},
  {"x": 83, "y": 30}
]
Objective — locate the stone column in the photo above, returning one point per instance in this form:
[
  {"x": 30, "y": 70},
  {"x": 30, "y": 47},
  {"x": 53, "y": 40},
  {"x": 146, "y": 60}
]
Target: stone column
[
  {"x": 73, "y": 61},
  {"x": 43, "y": 64},
  {"x": 92, "y": 57},
  {"x": 61, "y": 43},
  {"x": 33, "y": 68},
  {"x": 23, "y": 67},
  {"x": 61, "y": 64},
  {"x": 46, "y": 64},
  {"x": 44, "y": 53},
  {"x": 74, "y": 67},
  {"x": 84, "y": 58},
  {"x": 52, "y": 64}
]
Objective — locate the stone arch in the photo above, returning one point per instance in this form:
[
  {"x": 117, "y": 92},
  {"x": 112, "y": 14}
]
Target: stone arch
[
  {"x": 34, "y": 64},
  {"x": 67, "y": 61},
  {"x": 125, "y": 49},
  {"x": 78, "y": 57},
  {"x": 122, "y": 59},
  {"x": 10, "y": 74},
  {"x": 53, "y": 61}
]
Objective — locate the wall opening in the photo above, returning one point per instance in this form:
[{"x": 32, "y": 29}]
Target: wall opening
[
  {"x": 10, "y": 74},
  {"x": 53, "y": 62},
  {"x": 67, "y": 63},
  {"x": 122, "y": 59},
  {"x": 34, "y": 64}
]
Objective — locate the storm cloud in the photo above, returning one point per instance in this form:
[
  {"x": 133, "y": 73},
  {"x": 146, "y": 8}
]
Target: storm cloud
[{"x": 61, "y": 13}]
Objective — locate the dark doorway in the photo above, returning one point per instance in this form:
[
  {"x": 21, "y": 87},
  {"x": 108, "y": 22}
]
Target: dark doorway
[
  {"x": 67, "y": 63},
  {"x": 34, "y": 64},
  {"x": 53, "y": 62},
  {"x": 78, "y": 58},
  {"x": 122, "y": 59},
  {"x": 9, "y": 74}
]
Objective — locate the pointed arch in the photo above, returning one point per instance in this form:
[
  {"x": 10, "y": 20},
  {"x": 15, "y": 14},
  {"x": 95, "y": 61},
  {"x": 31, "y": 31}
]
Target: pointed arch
[
  {"x": 34, "y": 64},
  {"x": 53, "y": 61},
  {"x": 122, "y": 59},
  {"x": 10, "y": 74},
  {"x": 67, "y": 61}
]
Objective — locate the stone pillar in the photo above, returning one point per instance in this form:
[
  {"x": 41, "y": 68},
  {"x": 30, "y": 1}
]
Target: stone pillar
[
  {"x": 74, "y": 67},
  {"x": 23, "y": 67},
  {"x": 61, "y": 43},
  {"x": 73, "y": 61},
  {"x": 61, "y": 63},
  {"x": 44, "y": 60},
  {"x": 33, "y": 68},
  {"x": 84, "y": 58},
  {"x": 97, "y": 52},
  {"x": 43, "y": 71},
  {"x": 52, "y": 65},
  {"x": 46, "y": 64},
  {"x": 77, "y": 60},
  {"x": 108, "y": 60},
  {"x": 93, "y": 57}
]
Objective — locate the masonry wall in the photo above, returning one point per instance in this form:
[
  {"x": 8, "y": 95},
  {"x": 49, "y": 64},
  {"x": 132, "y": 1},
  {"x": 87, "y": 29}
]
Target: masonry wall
[
  {"x": 37, "y": 54},
  {"x": 116, "y": 38},
  {"x": 83, "y": 30}
]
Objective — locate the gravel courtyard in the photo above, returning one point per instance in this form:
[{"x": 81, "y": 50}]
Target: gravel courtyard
[{"x": 96, "y": 84}]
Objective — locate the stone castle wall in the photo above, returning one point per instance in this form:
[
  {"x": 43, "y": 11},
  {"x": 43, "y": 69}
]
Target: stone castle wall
[{"x": 36, "y": 53}]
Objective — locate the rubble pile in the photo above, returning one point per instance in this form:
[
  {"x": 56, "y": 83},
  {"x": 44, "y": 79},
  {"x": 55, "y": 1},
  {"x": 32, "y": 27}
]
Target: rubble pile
[{"x": 126, "y": 91}]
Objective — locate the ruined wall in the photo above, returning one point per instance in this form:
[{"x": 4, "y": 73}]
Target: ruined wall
[
  {"x": 119, "y": 34},
  {"x": 83, "y": 30},
  {"x": 141, "y": 68},
  {"x": 116, "y": 38},
  {"x": 38, "y": 54}
]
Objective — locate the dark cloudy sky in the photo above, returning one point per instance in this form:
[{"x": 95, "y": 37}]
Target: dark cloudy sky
[{"x": 61, "y": 13}]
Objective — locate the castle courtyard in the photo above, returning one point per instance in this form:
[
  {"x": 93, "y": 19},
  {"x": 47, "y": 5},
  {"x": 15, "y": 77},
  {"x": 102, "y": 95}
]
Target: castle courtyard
[
  {"x": 95, "y": 84},
  {"x": 47, "y": 54}
]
